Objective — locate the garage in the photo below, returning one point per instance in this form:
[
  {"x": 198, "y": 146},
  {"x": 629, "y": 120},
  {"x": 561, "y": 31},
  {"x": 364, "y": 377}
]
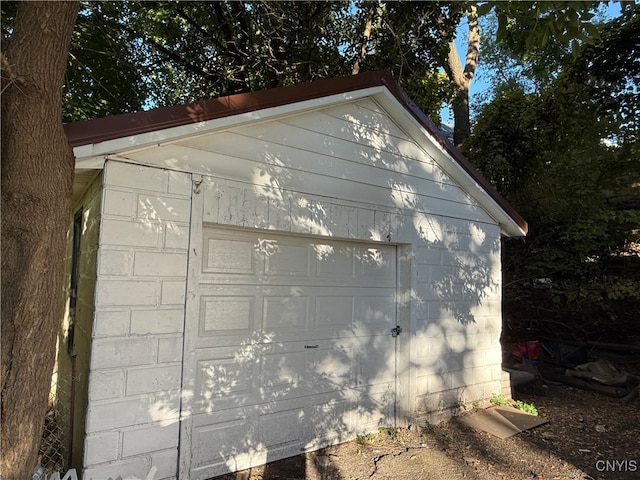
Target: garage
[
  {"x": 288, "y": 347},
  {"x": 273, "y": 272}
]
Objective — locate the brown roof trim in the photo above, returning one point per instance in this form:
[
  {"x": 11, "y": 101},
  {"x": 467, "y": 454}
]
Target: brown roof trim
[{"x": 128, "y": 124}]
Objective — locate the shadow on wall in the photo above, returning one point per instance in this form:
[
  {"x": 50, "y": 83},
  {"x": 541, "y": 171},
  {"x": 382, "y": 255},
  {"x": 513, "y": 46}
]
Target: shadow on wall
[
  {"x": 316, "y": 367},
  {"x": 264, "y": 390}
]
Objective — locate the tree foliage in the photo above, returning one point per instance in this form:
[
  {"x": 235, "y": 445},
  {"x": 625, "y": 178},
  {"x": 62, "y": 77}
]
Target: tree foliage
[
  {"x": 131, "y": 55},
  {"x": 567, "y": 159},
  {"x": 191, "y": 50}
]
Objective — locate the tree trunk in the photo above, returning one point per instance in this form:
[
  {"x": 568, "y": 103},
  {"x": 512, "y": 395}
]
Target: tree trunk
[
  {"x": 462, "y": 78},
  {"x": 366, "y": 36},
  {"x": 37, "y": 179}
]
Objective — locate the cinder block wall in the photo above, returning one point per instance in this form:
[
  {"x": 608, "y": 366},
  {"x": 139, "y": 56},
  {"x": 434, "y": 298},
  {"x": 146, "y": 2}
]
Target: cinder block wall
[
  {"x": 457, "y": 354},
  {"x": 135, "y": 369},
  {"x": 134, "y": 389}
]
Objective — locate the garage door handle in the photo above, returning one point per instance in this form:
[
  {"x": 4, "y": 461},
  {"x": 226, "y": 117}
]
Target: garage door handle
[{"x": 311, "y": 346}]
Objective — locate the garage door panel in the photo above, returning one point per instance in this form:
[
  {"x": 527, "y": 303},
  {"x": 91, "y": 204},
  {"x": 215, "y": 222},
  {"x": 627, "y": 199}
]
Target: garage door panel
[
  {"x": 285, "y": 311},
  {"x": 287, "y": 260},
  {"x": 214, "y": 442},
  {"x": 223, "y": 379},
  {"x": 282, "y": 372},
  {"x": 229, "y": 256},
  {"x": 376, "y": 311},
  {"x": 374, "y": 369},
  {"x": 335, "y": 263},
  {"x": 281, "y": 429},
  {"x": 290, "y": 349},
  {"x": 373, "y": 409},
  {"x": 329, "y": 421},
  {"x": 333, "y": 310},
  {"x": 377, "y": 265},
  {"x": 226, "y": 314},
  {"x": 297, "y": 369}
]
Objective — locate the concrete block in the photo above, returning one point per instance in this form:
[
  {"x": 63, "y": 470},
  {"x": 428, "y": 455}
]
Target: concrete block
[
  {"x": 484, "y": 374},
  {"x": 126, "y": 292},
  {"x": 173, "y": 293},
  {"x": 133, "y": 411},
  {"x": 176, "y": 236},
  {"x": 105, "y": 384},
  {"x": 117, "y": 202},
  {"x": 428, "y": 255},
  {"x": 130, "y": 233},
  {"x": 456, "y": 343},
  {"x": 157, "y": 321},
  {"x": 150, "y": 439},
  {"x": 423, "y": 273},
  {"x": 473, "y": 393},
  {"x": 111, "y": 323},
  {"x": 157, "y": 208},
  {"x": 153, "y": 379},
  {"x": 475, "y": 358},
  {"x": 482, "y": 341},
  {"x": 166, "y": 462},
  {"x": 493, "y": 356},
  {"x": 131, "y": 468},
  {"x": 123, "y": 352},
  {"x": 101, "y": 448},
  {"x": 439, "y": 274},
  {"x": 114, "y": 262},
  {"x": 180, "y": 183},
  {"x": 136, "y": 177},
  {"x": 170, "y": 349},
  {"x": 436, "y": 383},
  {"x": 505, "y": 383},
  {"x": 492, "y": 388},
  {"x": 458, "y": 379},
  {"x": 449, "y": 362},
  {"x": 160, "y": 264}
]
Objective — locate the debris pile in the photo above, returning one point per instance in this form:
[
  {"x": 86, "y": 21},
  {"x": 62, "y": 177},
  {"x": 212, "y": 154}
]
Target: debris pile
[{"x": 610, "y": 369}]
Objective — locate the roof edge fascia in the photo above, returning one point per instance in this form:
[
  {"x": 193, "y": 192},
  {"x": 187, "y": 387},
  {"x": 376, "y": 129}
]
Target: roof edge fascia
[{"x": 92, "y": 155}]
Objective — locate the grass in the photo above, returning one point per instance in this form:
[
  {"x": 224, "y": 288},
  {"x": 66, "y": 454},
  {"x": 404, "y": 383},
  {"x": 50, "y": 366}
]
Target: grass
[
  {"x": 428, "y": 428},
  {"x": 367, "y": 438},
  {"x": 502, "y": 401}
]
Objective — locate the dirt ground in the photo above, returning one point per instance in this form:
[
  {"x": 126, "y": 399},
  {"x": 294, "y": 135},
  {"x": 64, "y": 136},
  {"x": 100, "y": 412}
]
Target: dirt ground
[{"x": 588, "y": 436}]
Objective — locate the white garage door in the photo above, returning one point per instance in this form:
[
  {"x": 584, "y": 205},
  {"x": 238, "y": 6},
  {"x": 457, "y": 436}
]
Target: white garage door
[{"x": 288, "y": 347}]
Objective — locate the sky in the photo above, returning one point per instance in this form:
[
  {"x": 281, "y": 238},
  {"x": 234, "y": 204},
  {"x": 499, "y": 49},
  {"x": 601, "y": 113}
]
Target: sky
[{"x": 480, "y": 84}]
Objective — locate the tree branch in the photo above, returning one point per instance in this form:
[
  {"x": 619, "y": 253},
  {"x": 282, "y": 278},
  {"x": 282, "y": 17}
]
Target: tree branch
[{"x": 365, "y": 37}]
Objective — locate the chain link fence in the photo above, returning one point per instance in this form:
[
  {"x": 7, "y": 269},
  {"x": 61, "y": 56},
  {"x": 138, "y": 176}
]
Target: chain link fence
[{"x": 55, "y": 444}]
